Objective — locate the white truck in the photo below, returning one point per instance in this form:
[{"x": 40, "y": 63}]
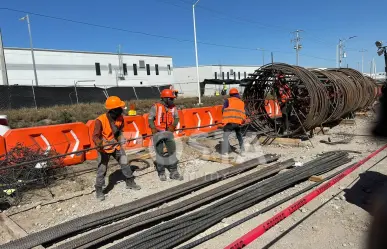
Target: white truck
[{"x": 4, "y": 127}]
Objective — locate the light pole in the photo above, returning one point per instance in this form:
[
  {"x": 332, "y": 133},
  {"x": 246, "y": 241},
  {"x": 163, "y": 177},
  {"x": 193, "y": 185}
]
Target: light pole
[
  {"x": 27, "y": 18},
  {"x": 362, "y": 59},
  {"x": 263, "y": 55},
  {"x": 196, "y": 51},
  {"x": 341, "y": 48}
]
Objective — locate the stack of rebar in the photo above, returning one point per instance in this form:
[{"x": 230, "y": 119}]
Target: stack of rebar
[
  {"x": 317, "y": 97},
  {"x": 176, "y": 231}
]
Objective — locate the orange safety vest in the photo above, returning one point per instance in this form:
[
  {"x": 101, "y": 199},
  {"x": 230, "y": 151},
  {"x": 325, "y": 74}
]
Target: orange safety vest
[
  {"x": 164, "y": 118},
  {"x": 284, "y": 93},
  {"x": 107, "y": 132},
  {"x": 235, "y": 112}
]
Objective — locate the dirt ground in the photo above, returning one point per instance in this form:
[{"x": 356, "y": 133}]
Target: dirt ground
[{"x": 337, "y": 218}]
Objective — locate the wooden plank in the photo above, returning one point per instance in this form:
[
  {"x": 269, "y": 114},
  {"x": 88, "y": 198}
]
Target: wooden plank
[
  {"x": 316, "y": 179},
  {"x": 229, "y": 160},
  {"x": 283, "y": 141},
  {"x": 14, "y": 229},
  {"x": 348, "y": 122}
]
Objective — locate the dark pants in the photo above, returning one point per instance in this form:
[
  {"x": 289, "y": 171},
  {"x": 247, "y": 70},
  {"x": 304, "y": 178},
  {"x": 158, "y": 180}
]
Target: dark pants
[
  {"x": 286, "y": 110},
  {"x": 169, "y": 160},
  {"x": 103, "y": 160},
  {"x": 227, "y": 129}
]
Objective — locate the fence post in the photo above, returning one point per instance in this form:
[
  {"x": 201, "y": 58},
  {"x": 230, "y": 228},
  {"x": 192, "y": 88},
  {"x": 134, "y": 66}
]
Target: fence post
[
  {"x": 76, "y": 93},
  {"x": 134, "y": 90},
  {"x": 33, "y": 93}
]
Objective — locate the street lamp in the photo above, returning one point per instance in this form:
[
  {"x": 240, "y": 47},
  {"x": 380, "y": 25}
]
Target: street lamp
[
  {"x": 27, "y": 18},
  {"x": 196, "y": 52},
  {"x": 362, "y": 59},
  {"x": 263, "y": 55},
  {"x": 341, "y": 48},
  {"x": 382, "y": 50}
]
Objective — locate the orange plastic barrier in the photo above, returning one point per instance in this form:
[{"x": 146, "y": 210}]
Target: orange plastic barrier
[
  {"x": 197, "y": 117},
  {"x": 273, "y": 108},
  {"x": 3, "y": 150},
  {"x": 135, "y": 126},
  {"x": 64, "y": 138}
]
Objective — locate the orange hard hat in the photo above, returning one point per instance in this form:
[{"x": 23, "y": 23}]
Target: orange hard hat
[
  {"x": 114, "y": 102},
  {"x": 167, "y": 93},
  {"x": 234, "y": 91}
]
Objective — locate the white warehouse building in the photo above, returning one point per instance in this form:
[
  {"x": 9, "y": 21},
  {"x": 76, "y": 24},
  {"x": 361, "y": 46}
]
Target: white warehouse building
[
  {"x": 185, "y": 79},
  {"x": 66, "y": 68}
]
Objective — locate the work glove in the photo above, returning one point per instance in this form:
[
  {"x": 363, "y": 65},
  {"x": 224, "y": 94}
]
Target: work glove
[
  {"x": 172, "y": 128},
  {"x": 154, "y": 130},
  {"x": 99, "y": 145},
  {"x": 122, "y": 140}
]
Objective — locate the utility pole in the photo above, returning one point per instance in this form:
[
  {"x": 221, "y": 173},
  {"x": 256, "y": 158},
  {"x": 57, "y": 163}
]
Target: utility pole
[
  {"x": 263, "y": 55},
  {"x": 3, "y": 65},
  {"x": 362, "y": 59},
  {"x": 341, "y": 50},
  {"x": 297, "y": 44},
  {"x": 27, "y": 18},
  {"x": 120, "y": 63}
]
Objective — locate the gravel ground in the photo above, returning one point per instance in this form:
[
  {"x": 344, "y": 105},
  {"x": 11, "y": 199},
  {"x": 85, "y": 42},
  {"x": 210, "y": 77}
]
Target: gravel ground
[{"x": 328, "y": 216}]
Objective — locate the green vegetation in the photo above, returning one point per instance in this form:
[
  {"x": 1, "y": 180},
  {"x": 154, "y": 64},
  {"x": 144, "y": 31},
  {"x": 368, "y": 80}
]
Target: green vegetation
[{"x": 29, "y": 117}]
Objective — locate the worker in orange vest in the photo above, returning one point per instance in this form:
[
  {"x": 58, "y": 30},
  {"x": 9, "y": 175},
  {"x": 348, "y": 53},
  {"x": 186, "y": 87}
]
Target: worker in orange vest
[
  {"x": 234, "y": 115},
  {"x": 284, "y": 93},
  {"x": 163, "y": 119},
  {"x": 108, "y": 130}
]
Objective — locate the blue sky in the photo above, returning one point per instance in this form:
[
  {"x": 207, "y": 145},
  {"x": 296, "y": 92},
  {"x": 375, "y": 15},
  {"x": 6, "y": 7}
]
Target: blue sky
[{"x": 245, "y": 23}]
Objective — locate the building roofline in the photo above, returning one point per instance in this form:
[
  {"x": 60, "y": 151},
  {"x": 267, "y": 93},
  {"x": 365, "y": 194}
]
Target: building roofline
[
  {"x": 223, "y": 65},
  {"x": 82, "y": 52}
]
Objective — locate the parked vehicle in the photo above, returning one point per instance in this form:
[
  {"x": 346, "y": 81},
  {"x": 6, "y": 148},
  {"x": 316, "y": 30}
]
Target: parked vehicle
[{"x": 4, "y": 127}]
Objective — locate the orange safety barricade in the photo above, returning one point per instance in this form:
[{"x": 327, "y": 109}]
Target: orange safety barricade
[
  {"x": 3, "y": 150},
  {"x": 63, "y": 138},
  {"x": 135, "y": 126},
  {"x": 273, "y": 108},
  {"x": 198, "y": 117}
]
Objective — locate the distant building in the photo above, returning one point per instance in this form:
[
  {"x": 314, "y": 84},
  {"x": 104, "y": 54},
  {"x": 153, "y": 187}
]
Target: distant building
[
  {"x": 185, "y": 79},
  {"x": 66, "y": 68}
]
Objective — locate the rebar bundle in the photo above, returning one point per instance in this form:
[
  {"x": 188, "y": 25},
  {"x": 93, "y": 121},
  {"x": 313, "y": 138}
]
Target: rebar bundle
[
  {"x": 174, "y": 232},
  {"x": 317, "y": 97}
]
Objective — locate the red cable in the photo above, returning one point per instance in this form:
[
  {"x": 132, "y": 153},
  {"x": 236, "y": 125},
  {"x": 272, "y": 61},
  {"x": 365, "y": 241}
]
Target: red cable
[{"x": 265, "y": 226}]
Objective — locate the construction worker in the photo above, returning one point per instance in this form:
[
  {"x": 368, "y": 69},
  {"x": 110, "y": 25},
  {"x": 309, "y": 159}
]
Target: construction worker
[
  {"x": 224, "y": 89},
  {"x": 283, "y": 92},
  {"x": 234, "y": 115},
  {"x": 163, "y": 118},
  {"x": 132, "y": 110},
  {"x": 108, "y": 130}
]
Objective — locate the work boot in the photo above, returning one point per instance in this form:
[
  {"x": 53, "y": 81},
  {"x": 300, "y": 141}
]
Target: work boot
[
  {"x": 99, "y": 193},
  {"x": 130, "y": 184},
  {"x": 162, "y": 177},
  {"x": 174, "y": 175}
]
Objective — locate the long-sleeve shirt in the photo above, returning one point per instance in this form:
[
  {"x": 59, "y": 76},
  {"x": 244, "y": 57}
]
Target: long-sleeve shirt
[
  {"x": 152, "y": 116},
  {"x": 97, "y": 133}
]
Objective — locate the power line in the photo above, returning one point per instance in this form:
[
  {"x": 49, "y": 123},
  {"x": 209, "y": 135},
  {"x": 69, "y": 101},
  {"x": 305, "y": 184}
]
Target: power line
[{"x": 142, "y": 33}]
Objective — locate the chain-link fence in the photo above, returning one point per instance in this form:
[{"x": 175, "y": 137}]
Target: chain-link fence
[{"x": 14, "y": 97}]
